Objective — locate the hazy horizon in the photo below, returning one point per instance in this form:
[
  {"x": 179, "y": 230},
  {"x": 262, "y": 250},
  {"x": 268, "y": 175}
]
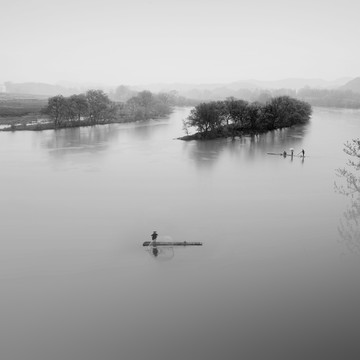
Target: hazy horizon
[
  {"x": 138, "y": 42},
  {"x": 69, "y": 83}
]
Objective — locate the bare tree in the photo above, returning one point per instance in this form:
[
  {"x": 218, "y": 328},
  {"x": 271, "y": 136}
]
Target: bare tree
[{"x": 349, "y": 227}]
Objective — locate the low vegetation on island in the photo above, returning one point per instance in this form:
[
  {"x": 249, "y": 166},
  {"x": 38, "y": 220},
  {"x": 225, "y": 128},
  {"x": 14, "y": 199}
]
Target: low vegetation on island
[
  {"x": 233, "y": 117},
  {"x": 91, "y": 108}
]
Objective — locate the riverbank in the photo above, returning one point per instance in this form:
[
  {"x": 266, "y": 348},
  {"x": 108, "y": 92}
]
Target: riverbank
[
  {"x": 26, "y": 113},
  {"x": 47, "y": 124},
  {"x": 223, "y": 133}
]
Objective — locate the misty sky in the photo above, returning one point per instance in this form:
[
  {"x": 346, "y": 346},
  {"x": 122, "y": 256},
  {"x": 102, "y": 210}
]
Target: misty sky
[{"x": 144, "y": 41}]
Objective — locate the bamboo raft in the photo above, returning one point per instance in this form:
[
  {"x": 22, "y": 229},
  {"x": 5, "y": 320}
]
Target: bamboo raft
[
  {"x": 171, "y": 243},
  {"x": 287, "y": 154}
]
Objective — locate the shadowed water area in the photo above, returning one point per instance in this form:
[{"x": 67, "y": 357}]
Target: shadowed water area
[{"x": 274, "y": 279}]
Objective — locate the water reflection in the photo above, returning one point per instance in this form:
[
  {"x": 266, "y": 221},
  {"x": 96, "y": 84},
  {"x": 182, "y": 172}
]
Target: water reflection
[
  {"x": 147, "y": 129},
  {"x": 207, "y": 153},
  {"x": 84, "y": 139},
  {"x": 349, "y": 224},
  {"x": 161, "y": 253},
  {"x": 98, "y": 138}
]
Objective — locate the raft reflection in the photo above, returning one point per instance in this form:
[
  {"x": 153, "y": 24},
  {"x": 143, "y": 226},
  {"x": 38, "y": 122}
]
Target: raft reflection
[{"x": 161, "y": 253}]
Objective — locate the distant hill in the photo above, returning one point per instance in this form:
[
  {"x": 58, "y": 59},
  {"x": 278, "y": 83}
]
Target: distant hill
[
  {"x": 241, "y": 89},
  {"x": 298, "y": 83},
  {"x": 353, "y": 85},
  {"x": 290, "y": 83},
  {"x": 245, "y": 89}
]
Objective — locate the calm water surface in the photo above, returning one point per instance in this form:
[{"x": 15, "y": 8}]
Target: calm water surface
[{"x": 274, "y": 280}]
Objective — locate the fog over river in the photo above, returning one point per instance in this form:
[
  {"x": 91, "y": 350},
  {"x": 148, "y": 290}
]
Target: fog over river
[{"x": 277, "y": 276}]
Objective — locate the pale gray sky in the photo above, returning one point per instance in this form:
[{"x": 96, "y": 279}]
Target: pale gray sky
[{"x": 142, "y": 41}]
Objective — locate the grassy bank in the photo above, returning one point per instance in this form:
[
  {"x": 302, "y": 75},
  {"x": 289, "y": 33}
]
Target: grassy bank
[
  {"x": 44, "y": 124},
  {"x": 20, "y": 109}
]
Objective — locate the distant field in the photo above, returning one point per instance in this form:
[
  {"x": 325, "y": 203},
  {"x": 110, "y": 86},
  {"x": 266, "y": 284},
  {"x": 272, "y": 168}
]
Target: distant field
[{"x": 18, "y": 108}]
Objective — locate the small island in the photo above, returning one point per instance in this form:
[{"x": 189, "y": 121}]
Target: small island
[{"x": 233, "y": 117}]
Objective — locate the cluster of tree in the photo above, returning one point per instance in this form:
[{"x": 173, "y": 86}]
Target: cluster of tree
[
  {"x": 95, "y": 107},
  {"x": 234, "y": 117},
  {"x": 146, "y": 105},
  {"x": 123, "y": 93},
  {"x": 330, "y": 98}
]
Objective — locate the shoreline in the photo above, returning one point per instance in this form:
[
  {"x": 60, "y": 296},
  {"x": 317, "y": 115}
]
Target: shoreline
[
  {"x": 43, "y": 123},
  {"x": 51, "y": 126},
  {"x": 224, "y": 133}
]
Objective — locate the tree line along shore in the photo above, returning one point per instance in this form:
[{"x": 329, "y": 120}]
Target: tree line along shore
[
  {"x": 90, "y": 108},
  {"x": 233, "y": 117}
]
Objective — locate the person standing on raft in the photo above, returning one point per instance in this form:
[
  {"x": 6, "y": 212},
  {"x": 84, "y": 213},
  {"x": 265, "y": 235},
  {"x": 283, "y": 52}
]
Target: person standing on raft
[
  {"x": 302, "y": 152},
  {"x": 155, "y": 250},
  {"x": 154, "y": 236}
]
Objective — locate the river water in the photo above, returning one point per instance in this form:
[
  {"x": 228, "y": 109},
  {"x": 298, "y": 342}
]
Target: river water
[{"x": 275, "y": 278}]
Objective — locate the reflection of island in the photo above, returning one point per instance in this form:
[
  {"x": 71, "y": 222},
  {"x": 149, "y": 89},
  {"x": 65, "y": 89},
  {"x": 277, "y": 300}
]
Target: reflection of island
[
  {"x": 147, "y": 129},
  {"x": 206, "y": 153},
  {"x": 82, "y": 139},
  {"x": 349, "y": 227},
  {"x": 98, "y": 137}
]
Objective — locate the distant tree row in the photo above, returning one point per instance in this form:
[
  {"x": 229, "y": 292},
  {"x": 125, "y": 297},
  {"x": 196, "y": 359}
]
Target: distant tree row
[
  {"x": 95, "y": 107},
  {"x": 234, "y": 117},
  {"x": 340, "y": 98},
  {"x": 330, "y": 98},
  {"x": 123, "y": 93},
  {"x": 145, "y": 105}
]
